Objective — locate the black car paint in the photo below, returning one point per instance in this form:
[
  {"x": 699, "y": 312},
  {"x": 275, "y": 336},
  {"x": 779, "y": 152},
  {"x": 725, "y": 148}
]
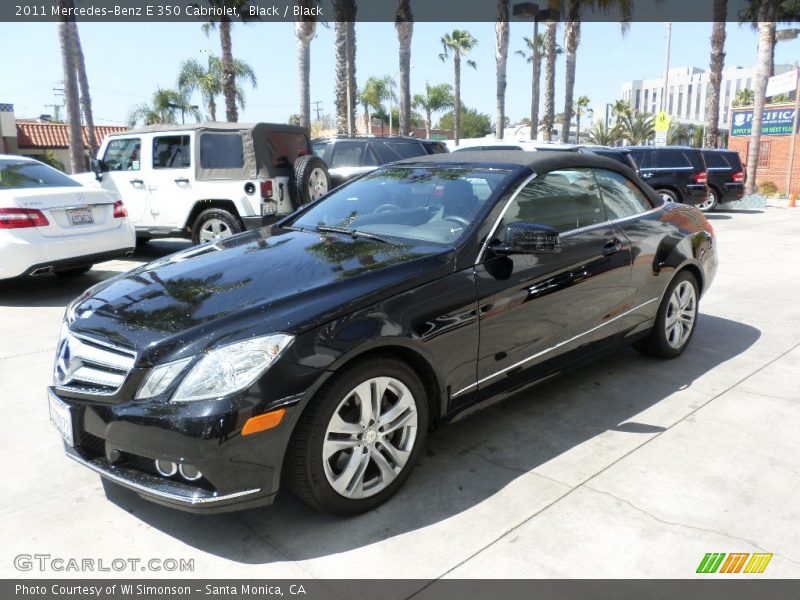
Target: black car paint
[
  {"x": 660, "y": 171},
  {"x": 722, "y": 166},
  {"x": 345, "y": 297}
]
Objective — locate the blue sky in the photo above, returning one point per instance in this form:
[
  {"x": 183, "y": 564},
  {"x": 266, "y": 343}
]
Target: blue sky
[{"x": 127, "y": 61}]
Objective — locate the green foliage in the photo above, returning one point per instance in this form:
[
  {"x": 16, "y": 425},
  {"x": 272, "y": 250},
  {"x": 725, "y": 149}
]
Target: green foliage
[
  {"x": 437, "y": 97},
  {"x": 604, "y": 136},
  {"x": 458, "y": 42},
  {"x": 206, "y": 79},
  {"x": 767, "y": 188},
  {"x": 164, "y": 107},
  {"x": 49, "y": 158},
  {"x": 637, "y": 128},
  {"x": 473, "y": 123},
  {"x": 744, "y": 97},
  {"x": 780, "y": 99}
]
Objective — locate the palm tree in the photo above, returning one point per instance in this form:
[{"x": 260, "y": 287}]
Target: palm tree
[
  {"x": 344, "y": 13},
  {"x": 371, "y": 97},
  {"x": 637, "y": 128},
  {"x": 766, "y": 31},
  {"x": 304, "y": 29},
  {"x": 580, "y": 106},
  {"x": 458, "y": 43},
  {"x": 404, "y": 24},
  {"x": 783, "y": 11},
  {"x": 193, "y": 76},
  {"x": 715, "y": 73},
  {"x": 83, "y": 84},
  {"x": 228, "y": 73},
  {"x": 620, "y": 108},
  {"x": 572, "y": 38},
  {"x": 535, "y": 50},
  {"x": 164, "y": 107},
  {"x": 550, "y": 46},
  {"x": 71, "y": 93},
  {"x": 501, "y": 29},
  {"x": 436, "y": 98},
  {"x": 744, "y": 97},
  {"x": 604, "y": 136}
]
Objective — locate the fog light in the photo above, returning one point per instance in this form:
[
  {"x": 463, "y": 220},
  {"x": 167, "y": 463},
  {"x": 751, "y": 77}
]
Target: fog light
[
  {"x": 167, "y": 468},
  {"x": 190, "y": 473}
]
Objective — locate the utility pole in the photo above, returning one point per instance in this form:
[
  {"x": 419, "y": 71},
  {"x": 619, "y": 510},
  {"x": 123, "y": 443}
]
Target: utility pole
[
  {"x": 317, "y": 108},
  {"x": 664, "y": 103}
]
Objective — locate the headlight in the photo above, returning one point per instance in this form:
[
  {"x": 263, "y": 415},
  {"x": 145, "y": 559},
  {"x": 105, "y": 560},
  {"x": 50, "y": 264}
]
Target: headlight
[
  {"x": 231, "y": 368},
  {"x": 160, "y": 377}
]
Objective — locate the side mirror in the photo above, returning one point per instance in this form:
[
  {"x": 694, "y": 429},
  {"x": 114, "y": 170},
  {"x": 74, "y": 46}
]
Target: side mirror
[
  {"x": 529, "y": 238},
  {"x": 97, "y": 167}
]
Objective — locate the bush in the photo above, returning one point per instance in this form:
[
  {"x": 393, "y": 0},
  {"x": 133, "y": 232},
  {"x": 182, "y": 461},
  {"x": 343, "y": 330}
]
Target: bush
[{"x": 767, "y": 188}]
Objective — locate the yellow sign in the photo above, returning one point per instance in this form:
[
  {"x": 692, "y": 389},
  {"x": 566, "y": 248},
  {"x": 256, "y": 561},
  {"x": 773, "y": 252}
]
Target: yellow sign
[{"x": 662, "y": 121}]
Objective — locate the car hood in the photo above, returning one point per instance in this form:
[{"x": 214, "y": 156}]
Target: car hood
[{"x": 252, "y": 284}]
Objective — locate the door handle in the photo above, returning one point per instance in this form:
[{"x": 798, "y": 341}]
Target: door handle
[
  {"x": 181, "y": 180},
  {"x": 646, "y": 175},
  {"x": 136, "y": 182},
  {"x": 612, "y": 246}
]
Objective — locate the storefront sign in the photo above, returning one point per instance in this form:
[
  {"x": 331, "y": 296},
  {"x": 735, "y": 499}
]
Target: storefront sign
[{"x": 776, "y": 121}]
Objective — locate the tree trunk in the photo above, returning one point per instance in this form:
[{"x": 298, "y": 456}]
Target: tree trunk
[
  {"x": 71, "y": 96},
  {"x": 549, "y": 82},
  {"x": 772, "y": 43},
  {"x": 404, "y": 23},
  {"x": 711, "y": 138},
  {"x": 353, "y": 88},
  {"x": 304, "y": 30},
  {"x": 765, "y": 28},
  {"x": 501, "y": 57},
  {"x": 572, "y": 37},
  {"x": 428, "y": 124},
  {"x": 83, "y": 84},
  {"x": 457, "y": 108},
  {"x": 212, "y": 108},
  {"x": 578, "y": 126},
  {"x": 537, "y": 69},
  {"x": 340, "y": 33},
  {"x": 228, "y": 77}
]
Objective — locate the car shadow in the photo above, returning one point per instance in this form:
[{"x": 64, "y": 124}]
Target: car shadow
[
  {"x": 51, "y": 290},
  {"x": 746, "y": 211},
  {"x": 716, "y": 217},
  {"x": 475, "y": 458}
]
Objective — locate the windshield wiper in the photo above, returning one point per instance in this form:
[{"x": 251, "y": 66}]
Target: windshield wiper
[{"x": 354, "y": 233}]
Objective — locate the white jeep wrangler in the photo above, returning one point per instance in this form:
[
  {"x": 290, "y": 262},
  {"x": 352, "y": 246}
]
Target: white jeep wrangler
[{"x": 210, "y": 180}]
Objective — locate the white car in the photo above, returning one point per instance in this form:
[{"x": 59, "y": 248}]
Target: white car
[{"x": 50, "y": 223}]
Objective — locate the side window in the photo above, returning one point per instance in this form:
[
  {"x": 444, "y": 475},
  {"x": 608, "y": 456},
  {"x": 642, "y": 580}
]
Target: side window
[
  {"x": 318, "y": 148},
  {"x": 171, "y": 152},
  {"x": 672, "y": 159},
  {"x": 566, "y": 199},
  {"x": 370, "y": 160},
  {"x": 123, "y": 155},
  {"x": 221, "y": 151},
  {"x": 620, "y": 195},
  {"x": 642, "y": 159},
  {"x": 715, "y": 160},
  {"x": 347, "y": 154}
]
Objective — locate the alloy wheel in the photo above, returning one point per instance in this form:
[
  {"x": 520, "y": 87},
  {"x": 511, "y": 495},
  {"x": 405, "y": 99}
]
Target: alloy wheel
[
  {"x": 708, "y": 204},
  {"x": 681, "y": 314},
  {"x": 317, "y": 184},
  {"x": 214, "y": 229},
  {"x": 370, "y": 437}
]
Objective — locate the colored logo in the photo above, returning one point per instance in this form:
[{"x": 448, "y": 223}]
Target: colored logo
[{"x": 734, "y": 562}]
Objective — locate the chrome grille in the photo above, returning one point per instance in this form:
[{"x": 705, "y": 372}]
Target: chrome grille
[{"x": 89, "y": 366}]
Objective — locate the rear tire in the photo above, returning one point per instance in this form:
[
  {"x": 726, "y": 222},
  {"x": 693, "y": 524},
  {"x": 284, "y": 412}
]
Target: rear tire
[
  {"x": 311, "y": 180},
  {"x": 676, "y": 319},
  {"x": 214, "y": 224},
  {"x": 710, "y": 204},
  {"x": 76, "y": 272},
  {"x": 345, "y": 457},
  {"x": 669, "y": 195}
]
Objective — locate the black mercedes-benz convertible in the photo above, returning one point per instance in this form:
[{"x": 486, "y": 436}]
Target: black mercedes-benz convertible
[{"x": 320, "y": 352}]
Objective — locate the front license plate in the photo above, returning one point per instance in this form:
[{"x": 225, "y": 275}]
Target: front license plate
[
  {"x": 80, "y": 216},
  {"x": 61, "y": 418}
]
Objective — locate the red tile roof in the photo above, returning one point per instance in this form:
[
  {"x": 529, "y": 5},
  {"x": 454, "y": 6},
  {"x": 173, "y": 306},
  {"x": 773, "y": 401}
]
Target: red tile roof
[{"x": 36, "y": 134}]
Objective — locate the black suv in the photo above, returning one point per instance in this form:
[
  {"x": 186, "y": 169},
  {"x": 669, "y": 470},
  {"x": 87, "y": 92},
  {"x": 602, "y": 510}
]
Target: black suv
[
  {"x": 348, "y": 157},
  {"x": 678, "y": 173},
  {"x": 726, "y": 177}
]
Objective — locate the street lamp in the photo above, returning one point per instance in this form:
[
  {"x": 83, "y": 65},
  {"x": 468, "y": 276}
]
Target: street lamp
[{"x": 526, "y": 11}]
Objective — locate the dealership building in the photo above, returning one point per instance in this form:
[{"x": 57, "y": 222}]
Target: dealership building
[{"x": 775, "y": 147}]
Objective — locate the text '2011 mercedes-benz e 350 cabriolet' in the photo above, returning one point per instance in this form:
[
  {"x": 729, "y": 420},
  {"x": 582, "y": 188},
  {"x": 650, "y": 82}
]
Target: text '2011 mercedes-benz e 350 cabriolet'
[{"x": 320, "y": 352}]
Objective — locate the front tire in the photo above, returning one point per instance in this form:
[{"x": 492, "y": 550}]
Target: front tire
[
  {"x": 676, "y": 319},
  {"x": 359, "y": 439},
  {"x": 710, "y": 204},
  {"x": 214, "y": 224}
]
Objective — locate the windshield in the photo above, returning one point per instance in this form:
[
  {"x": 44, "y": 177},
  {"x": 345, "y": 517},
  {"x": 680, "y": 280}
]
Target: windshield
[
  {"x": 17, "y": 174},
  {"x": 427, "y": 204}
]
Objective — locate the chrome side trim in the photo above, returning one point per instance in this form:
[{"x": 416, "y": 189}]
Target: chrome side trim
[
  {"x": 189, "y": 500},
  {"x": 501, "y": 215},
  {"x": 546, "y": 350},
  {"x": 570, "y": 232}
]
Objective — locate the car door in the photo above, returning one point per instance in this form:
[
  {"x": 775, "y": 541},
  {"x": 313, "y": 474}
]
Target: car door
[
  {"x": 122, "y": 175},
  {"x": 539, "y": 312},
  {"x": 170, "y": 181}
]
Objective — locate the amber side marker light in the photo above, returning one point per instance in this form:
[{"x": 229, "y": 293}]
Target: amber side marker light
[{"x": 263, "y": 422}]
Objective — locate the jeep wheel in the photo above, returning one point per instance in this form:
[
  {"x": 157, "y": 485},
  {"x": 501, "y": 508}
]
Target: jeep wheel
[
  {"x": 214, "y": 224},
  {"x": 311, "y": 179}
]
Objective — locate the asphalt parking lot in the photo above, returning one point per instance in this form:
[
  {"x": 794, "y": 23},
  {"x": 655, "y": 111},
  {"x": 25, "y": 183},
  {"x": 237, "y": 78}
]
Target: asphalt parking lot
[{"x": 630, "y": 467}]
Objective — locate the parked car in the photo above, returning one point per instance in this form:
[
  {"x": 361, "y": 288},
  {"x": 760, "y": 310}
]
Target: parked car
[
  {"x": 726, "y": 177},
  {"x": 434, "y": 146},
  {"x": 50, "y": 223},
  {"x": 210, "y": 180},
  {"x": 621, "y": 154},
  {"x": 678, "y": 173},
  {"x": 323, "y": 351},
  {"x": 349, "y": 157}
]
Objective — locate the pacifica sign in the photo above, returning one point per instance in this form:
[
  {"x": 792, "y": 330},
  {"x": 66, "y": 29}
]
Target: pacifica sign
[{"x": 777, "y": 120}]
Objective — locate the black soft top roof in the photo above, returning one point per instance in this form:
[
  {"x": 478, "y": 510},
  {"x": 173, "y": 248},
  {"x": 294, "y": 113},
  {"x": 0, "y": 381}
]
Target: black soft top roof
[{"x": 539, "y": 161}]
